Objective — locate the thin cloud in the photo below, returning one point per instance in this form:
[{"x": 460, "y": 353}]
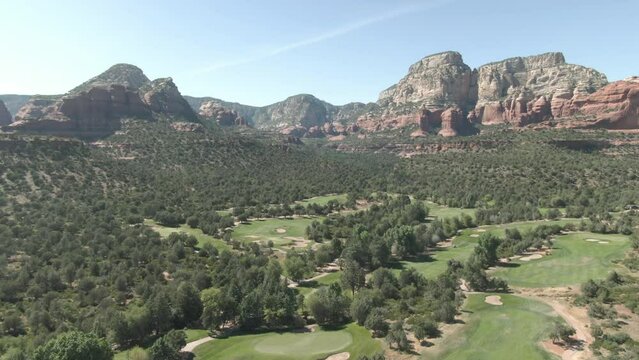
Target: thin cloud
[{"x": 343, "y": 30}]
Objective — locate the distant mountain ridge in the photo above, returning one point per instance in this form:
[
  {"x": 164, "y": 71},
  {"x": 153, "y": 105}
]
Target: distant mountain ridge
[{"x": 440, "y": 93}]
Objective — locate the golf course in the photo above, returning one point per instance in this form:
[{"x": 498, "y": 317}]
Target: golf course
[
  {"x": 499, "y": 332},
  {"x": 575, "y": 258}
]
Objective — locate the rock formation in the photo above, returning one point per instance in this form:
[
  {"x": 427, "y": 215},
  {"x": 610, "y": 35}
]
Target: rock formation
[
  {"x": 95, "y": 112},
  {"x": 96, "y": 107},
  {"x": 615, "y": 106},
  {"x": 508, "y": 90},
  {"x": 518, "y": 91},
  {"x": 163, "y": 97},
  {"x": 5, "y": 116},
  {"x": 221, "y": 115}
]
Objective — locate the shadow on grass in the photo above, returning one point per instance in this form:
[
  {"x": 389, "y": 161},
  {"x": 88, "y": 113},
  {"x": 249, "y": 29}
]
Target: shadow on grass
[{"x": 509, "y": 265}]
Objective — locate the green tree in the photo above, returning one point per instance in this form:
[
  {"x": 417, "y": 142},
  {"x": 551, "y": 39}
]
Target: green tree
[
  {"x": 376, "y": 322},
  {"x": 353, "y": 276},
  {"x": 74, "y": 345},
  {"x": 397, "y": 336},
  {"x": 188, "y": 304},
  {"x": 561, "y": 333},
  {"x": 328, "y": 305}
]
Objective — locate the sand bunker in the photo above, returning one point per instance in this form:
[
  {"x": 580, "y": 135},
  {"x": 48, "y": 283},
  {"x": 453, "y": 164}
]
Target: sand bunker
[
  {"x": 340, "y": 356},
  {"x": 531, "y": 257},
  {"x": 494, "y": 300},
  {"x": 481, "y": 230},
  {"x": 592, "y": 240},
  {"x": 602, "y": 242},
  {"x": 280, "y": 231},
  {"x": 474, "y": 235}
]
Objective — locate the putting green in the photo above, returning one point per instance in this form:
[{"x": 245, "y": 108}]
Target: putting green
[
  {"x": 316, "y": 343},
  {"x": 576, "y": 257},
  {"x": 281, "y": 231},
  {"x": 496, "y": 332},
  {"x": 319, "y": 344}
]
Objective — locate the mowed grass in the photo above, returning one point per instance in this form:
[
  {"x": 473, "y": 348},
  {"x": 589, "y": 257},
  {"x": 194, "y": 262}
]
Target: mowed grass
[
  {"x": 464, "y": 243},
  {"x": 201, "y": 237},
  {"x": 443, "y": 211},
  {"x": 280, "y": 231},
  {"x": 510, "y": 331},
  {"x": 287, "y": 346},
  {"x": 573, "y": 261},
  {"x": 323, "y": 200}
]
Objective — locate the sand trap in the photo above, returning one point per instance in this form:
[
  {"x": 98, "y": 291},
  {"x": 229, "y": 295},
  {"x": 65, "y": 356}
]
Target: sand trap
[
  {"x": 474, "y": 235},
  {"x": 481, "y": 230},
  {"x": 602, "y": 242},
  {"x": 592, "y": 240},
  {"x": 494, "y": 300},
  {"x": 515, "y": 257},
  {"x": 532, "y": 257},
  {"x": 340, "y": 356},
  {"x": 280, "y": 231}
]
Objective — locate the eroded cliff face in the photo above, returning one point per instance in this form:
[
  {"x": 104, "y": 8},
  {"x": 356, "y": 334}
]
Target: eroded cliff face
[
  {"x": 615, "y": 106},
  {"x": 518, "y": 91},
  {"x": 163, "y": 97},
  {"x": 5, "y": 116},
  {"x": 214, "y": 111},
  {"x": 97, "y": 107},
  {"x": 96, "y": 112},
  {"x": 525, "y": 90}
]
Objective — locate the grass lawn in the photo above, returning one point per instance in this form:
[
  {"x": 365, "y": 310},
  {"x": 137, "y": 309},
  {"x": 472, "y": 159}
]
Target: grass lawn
[
  {"x": 573, "y": 261},
  {"x": 510, "y": 331},
  {"x": 463, "y": 245},
  {"x": 309, "y": 287},
  {"x": 303, "y": 346},
  {"x": 323, "y": 200},
  {"x": 277, "y": 230},
  {"x": 443, "y": 211},
  {"x": 201, "y": 237}
]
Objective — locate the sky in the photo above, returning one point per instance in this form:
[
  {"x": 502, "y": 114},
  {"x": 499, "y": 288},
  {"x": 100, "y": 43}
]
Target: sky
[{"x": 258, "y": 52}]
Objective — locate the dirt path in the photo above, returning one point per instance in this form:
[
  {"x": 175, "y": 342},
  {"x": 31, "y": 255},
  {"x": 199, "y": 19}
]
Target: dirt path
[
  {"x": 575, "y": 317},
  {"x": 193, "y": 344}
]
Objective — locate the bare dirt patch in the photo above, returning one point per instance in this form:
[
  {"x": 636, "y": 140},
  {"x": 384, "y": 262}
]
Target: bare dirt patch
[
  {"x": 493, "y": 300},
  {"x": 280, "y": 231},
  {"x": 339, "y": 356},
  {"x": 532, "y": 257}
]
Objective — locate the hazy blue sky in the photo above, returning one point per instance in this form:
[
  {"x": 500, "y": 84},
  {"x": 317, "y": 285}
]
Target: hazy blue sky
[{"x": 261, "y": 51}]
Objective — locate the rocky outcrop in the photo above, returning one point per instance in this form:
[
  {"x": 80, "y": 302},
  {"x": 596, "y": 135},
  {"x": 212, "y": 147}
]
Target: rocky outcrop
[
  {"x": 508, "y": 90},
  {"x": 187, "y": 127},
  {"x": 95, "y": 112},
  {"x": 453, "y": 121},
  {"x": 96, "y": 107},
  {"x": 615, "y": 106},
  {"x": 222, "y": 116},
  {"x": 163, "y": 97},
  {"x": 436, "y": 81},
  {"x": 5, "y": 116},
  {"x": 517, "y": 91}
]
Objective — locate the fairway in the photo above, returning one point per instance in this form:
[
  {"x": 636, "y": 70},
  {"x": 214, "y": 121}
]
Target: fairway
[
  {"x": 464, "y": 243},
  {"x": 575, "y": 258},
  {"x": 443, "y": 211},
  {"x": 499, "y": 332},
  {"x": 201, "y": 237},
  {"x": 281, "y": 231},
  {"x": 304, "y": 346},
  {"x": 323, "y": 200}
]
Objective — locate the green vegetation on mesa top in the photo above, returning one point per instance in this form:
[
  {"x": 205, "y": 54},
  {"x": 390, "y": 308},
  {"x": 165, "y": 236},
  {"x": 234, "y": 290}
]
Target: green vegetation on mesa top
[
  {"x": 202, "y": 238},
  {"x": 500, "y": 332},
  {"x": 575, "y": 258},
  {"x": 318, "y": 344}
]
